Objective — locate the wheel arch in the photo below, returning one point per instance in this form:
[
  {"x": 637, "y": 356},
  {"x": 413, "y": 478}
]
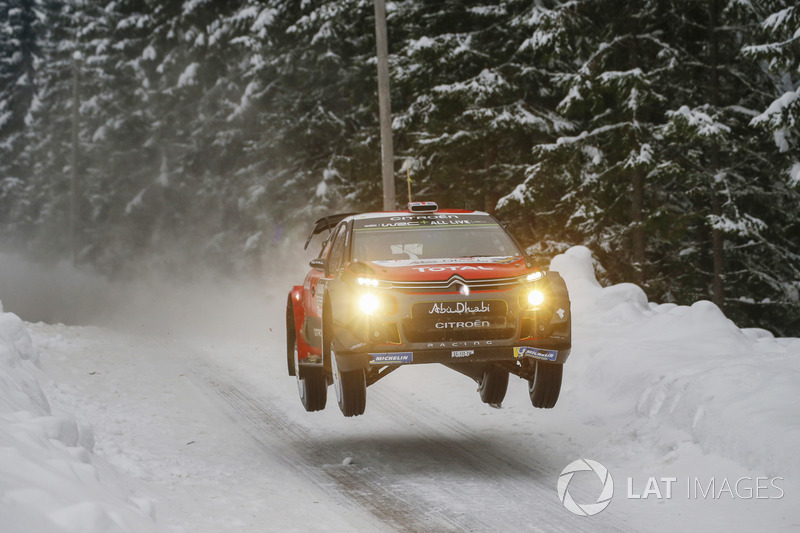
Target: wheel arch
[{"x": 295, "y": 309}]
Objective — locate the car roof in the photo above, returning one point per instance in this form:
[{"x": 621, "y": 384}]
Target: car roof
[{"x": 390, "y": 214}]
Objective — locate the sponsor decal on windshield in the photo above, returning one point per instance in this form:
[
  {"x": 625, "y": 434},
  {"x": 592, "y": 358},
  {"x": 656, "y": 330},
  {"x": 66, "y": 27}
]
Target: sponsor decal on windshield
[
  {"x": 423, "y": 221},
  {"x": 445, "y": 262}
]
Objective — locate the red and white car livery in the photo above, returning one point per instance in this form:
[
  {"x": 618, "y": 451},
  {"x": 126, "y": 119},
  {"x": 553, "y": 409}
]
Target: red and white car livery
[{"x": 425, "y": 286}]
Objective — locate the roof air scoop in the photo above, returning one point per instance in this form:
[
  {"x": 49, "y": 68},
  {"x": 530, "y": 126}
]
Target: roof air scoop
[{"x": 422, "y": 207}]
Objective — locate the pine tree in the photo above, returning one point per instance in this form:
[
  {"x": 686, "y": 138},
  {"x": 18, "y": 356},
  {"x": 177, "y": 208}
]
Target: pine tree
[
  {"x": 781, "y": 54},
  {"x": 19, "y": 49},
  {"x": 469, "y": 104}
]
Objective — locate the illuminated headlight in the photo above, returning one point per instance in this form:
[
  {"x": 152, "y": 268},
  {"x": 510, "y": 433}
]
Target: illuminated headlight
[
  {"x": 367, "y": 282},
  {"x": 535, "y": 276},
  {"x": 368, "y": 303},
  {"x": 535, "y": 298}
]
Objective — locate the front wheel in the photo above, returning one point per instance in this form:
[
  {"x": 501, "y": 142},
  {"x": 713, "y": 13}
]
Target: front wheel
[
  {"x": 350, "y": 387},
  {"x": 545, "y": 385},
  {"x": 493, "y": 386}
]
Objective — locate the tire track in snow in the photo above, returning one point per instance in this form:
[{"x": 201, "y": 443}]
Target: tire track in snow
[
  {"x": 438, "y": 475},
  {"x": 300, "y": 450},
  {"x": 500, "y": 469}
]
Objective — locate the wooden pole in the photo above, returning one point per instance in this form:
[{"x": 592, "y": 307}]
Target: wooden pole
[
  {"x": 408, "y": 178},
  {"x": 384, "y": 104},
  {"x": 73, "y": 185}
]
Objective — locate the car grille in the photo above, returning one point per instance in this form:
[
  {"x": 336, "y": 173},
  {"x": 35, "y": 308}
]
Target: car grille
[{"x": 459, "y": 321}]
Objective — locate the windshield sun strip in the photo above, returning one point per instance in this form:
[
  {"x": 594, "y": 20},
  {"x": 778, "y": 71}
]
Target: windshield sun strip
[{"x": 428, "y": 227}]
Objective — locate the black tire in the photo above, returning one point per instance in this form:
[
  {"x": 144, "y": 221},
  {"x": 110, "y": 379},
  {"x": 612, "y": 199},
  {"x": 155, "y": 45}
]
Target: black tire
[
  {"x": 493, "y": 386},
  {"x": 311, "y": 382},
  {"x": 351, "y": 386},
  {"x": 546, "y": 385},
  {"x": 291, "y": 338},
  {"x": 313, "y": 389},
  {"x": 351, "y": 389}
]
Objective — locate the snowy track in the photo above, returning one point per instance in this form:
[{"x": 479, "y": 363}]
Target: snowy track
[
  {"x": 358, "y": 486},
  {"x": 215, "y": 434},
  {"x": 207, "y": 430},
  {"x": 438, "y": 475}
]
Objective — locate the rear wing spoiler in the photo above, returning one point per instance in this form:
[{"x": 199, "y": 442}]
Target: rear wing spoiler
[{"x": 326, "y": 223}]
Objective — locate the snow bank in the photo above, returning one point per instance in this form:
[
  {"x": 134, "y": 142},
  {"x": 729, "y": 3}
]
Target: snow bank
[
  {"x": 667, "y": 377},
  {"x": 49, "y": 479}
]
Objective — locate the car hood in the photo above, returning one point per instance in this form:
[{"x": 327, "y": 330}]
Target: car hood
[{"x": 469, "y": 268}]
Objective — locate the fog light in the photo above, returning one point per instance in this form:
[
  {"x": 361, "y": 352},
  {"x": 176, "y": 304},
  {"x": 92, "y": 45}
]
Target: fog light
[
  {"x": 535, "y": 298},
  {"x": 369, "y": 303}
]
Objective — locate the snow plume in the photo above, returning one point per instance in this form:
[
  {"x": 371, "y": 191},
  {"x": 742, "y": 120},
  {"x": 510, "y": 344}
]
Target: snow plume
[
  {"x": 164, "y": 296},
  {"x": 49, "y": 478}
]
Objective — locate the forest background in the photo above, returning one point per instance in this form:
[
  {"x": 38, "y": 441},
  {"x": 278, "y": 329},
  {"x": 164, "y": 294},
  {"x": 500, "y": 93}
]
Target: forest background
[{"x": 662, "y": 134}]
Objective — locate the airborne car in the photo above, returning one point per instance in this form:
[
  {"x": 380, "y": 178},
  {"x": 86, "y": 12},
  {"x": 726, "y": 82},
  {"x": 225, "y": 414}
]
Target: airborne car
[{"x": 425, "y": 285}]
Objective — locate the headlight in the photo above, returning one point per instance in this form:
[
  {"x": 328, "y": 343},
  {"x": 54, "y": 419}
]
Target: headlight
[
  {"x": 368, "y": 303},
  {"x": 367, "y": 282},
  {"x": 535, "y": 276},
  {"x": 535, "y": 298}
]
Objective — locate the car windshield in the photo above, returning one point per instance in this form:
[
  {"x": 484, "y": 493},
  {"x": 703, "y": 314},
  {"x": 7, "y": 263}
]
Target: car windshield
[{"x": 448, "y": 241}]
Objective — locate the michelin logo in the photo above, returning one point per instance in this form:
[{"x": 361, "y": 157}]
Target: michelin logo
[
  {"x": 536, "y": 353},
  {"x": 392, "y": 358}
]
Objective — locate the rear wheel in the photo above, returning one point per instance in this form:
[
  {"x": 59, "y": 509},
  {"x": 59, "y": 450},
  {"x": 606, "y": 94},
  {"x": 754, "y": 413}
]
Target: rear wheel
[
  {"x": 311, "y": 384},
  {"x": 545, "y": 385},
  {"x": 493, "y": 386},
  {"x": 350, "y": 387}
]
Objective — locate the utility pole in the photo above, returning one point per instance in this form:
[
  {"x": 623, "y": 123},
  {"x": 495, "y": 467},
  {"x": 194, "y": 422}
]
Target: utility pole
[
  {"x": 387, "y": 150},
  {"x": 73, "y": 185}
]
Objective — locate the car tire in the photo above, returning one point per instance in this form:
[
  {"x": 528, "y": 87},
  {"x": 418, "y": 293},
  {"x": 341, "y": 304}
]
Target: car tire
[
  {"x": 311, "y": 385},
  {"x": 545, "y": 385},
  {"x": 493, "y": 386},
  {"x": 350, "y": 387}
]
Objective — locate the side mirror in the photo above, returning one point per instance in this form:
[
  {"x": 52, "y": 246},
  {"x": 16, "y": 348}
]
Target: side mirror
[{"x": 318, "y": 264}]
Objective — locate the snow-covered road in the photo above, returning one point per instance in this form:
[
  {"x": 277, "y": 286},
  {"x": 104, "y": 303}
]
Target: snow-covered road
[
  {"x": 198, "y": 431},
  {"x": 216, "y": 434}
]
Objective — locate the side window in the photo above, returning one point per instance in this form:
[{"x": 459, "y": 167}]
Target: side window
[{"x": 335, "y": 256}]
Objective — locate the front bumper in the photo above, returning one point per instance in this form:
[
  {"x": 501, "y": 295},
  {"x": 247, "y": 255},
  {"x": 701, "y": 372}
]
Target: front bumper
[{"x": 452, "y": 328}]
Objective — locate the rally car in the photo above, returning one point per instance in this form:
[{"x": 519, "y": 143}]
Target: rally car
[{"x": 425, "y": 285}]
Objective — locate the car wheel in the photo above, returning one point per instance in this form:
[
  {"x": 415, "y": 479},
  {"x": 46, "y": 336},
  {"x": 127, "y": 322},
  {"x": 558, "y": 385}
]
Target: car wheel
[
  {"x": 493, "y": 386},
  {"x": 545, "y": 385},
  {"x": 311, "y": 384},
  {"x": 350, "y": 387},
  {"x": 291, "y": 339}
]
